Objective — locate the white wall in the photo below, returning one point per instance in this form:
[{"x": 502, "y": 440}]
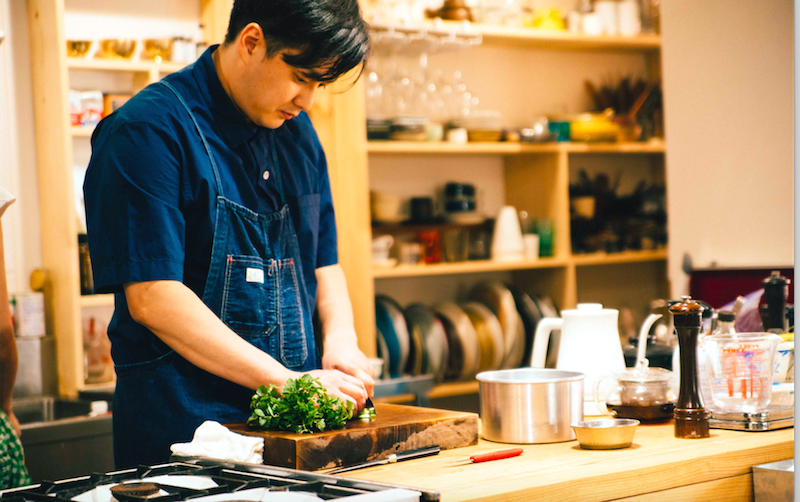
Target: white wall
[{"x": 728, "y": 70}]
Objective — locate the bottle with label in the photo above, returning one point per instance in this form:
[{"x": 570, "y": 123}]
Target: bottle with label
[
  {"x": 87, "y": 281},
  {"x": 724, "y": 325}
]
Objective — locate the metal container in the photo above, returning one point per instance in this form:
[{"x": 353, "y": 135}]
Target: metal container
[
  {"x": 529, "y": 405},
  {"x": 606, "y": 434}
]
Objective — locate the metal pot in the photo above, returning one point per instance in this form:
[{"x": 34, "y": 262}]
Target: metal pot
[{"x": 529, "y": 405}]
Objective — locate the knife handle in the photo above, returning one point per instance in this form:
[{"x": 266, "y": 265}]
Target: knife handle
[{"x": 496, "y": 455}]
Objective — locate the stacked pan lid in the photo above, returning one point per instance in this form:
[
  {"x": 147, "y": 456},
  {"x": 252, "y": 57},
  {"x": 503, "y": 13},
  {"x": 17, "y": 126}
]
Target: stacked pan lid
[{"x": 491, "y": 329}]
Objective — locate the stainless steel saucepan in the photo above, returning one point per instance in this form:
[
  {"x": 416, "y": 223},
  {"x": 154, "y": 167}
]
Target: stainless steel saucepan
[{"x": 527, "y": 405}]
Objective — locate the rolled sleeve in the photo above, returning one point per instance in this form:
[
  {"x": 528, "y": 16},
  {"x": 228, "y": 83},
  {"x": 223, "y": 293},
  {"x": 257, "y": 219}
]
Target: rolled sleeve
[{"x": 133, "y": 206}]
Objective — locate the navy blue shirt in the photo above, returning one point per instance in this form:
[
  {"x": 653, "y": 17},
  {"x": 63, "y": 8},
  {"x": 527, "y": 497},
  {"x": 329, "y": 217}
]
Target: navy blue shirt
[{"x": 150, "y": 191}]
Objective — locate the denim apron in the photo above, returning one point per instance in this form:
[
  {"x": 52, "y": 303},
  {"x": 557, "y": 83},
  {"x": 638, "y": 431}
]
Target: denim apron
[{"x": 253, "y": 287}]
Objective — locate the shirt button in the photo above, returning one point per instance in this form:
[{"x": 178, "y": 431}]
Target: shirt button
[{"x": 266, "y": 175}]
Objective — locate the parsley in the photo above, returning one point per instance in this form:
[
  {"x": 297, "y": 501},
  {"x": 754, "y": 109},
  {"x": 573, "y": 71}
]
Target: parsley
[{"x": 303, "y": 407}]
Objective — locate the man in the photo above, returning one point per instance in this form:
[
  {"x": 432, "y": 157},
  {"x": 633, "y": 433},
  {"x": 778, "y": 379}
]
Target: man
[{"x": 209, "y": 215}]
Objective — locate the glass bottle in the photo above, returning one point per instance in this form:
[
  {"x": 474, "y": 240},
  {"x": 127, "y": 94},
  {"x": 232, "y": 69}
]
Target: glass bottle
[{"x": 724, "y": 325}]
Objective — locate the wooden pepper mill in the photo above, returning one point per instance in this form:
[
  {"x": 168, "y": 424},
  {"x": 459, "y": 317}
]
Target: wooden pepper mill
[{"x": 691, "y": 418}]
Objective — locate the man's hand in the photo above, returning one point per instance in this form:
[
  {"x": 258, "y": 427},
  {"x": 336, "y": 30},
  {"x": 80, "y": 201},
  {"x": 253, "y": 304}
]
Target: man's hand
[
  {"x": 343, "y": 386},
  {"x": 341, "y": 353}
]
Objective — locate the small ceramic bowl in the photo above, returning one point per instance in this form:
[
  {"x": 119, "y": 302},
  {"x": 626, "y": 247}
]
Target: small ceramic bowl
[{"x": 605, "y": 434}]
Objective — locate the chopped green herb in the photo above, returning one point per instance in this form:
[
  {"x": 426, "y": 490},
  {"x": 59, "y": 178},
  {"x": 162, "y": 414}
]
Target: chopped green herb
[{"x": 304, "y": 407}]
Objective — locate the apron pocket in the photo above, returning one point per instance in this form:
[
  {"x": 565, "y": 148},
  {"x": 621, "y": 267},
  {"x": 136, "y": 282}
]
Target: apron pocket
[
  {"x": 294, "y": 349},
  {"x": 249, "y": 299}
]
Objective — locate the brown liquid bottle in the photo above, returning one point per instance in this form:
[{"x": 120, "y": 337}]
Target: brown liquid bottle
[{"x": 691, "y": 418}]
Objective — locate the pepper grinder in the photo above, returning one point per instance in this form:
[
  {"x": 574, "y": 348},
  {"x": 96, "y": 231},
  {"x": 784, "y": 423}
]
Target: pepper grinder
[
  {"x": 691, "y": 418},
  {"x": 775, "y": 293}
]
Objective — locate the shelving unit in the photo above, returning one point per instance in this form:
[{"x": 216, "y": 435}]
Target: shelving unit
[
  {"x": 51, "y": 70},
  {"x": 536, "y": 178}
]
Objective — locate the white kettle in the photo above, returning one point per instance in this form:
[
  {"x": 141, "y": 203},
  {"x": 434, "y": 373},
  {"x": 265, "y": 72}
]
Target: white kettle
[{"x": 589, "y": 344}]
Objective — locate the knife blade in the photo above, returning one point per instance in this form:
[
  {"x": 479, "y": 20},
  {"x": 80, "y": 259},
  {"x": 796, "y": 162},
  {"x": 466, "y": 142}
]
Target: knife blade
[{"x": 391, "y": 459}]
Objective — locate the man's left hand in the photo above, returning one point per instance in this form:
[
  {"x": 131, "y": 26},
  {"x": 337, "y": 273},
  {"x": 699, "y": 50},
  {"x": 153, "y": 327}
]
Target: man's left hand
[{"x": 341, "y": 353}]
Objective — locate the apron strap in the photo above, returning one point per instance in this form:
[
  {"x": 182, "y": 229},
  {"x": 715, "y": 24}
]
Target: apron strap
[{"x": 202, "y": 137}]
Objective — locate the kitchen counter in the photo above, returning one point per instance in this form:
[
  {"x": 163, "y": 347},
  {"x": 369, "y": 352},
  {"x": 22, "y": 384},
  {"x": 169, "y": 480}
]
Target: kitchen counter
[{"x": 657, "y": 467}]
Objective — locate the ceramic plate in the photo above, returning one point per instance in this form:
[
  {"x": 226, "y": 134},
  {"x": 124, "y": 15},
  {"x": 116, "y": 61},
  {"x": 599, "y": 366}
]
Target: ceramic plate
[
  {"x": 434, "y": 339},
  {"x": 530, "y": 315},
  {"x": 490, "y": 335},
  {"x": 455, "y": 354},
  {"x": 390, "y": 321},
  {"x": 500, "y": 301},
  {"x": 466, "y": 336},
  {"x": 417, "y": 356}
]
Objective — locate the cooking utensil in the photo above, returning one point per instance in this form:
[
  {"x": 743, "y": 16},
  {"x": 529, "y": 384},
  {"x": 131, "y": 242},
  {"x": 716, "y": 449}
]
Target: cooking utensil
[
  {"x": 391, "y": 459},
  {"x": 527, "y": 405},
  {"x": 589, "y": 344},
  {"x": 495, "y": 455},
  {"x": 368, "y": 413},
  {"x": 606, "y": 434}
]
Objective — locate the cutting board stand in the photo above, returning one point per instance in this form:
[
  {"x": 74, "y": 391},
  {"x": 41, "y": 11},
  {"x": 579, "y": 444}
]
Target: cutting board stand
[{"x": 396, "y": 428}]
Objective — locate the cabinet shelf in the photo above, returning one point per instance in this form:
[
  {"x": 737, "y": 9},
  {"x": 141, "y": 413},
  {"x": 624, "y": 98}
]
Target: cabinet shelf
[
  {"x": 105, "y": 300},
  {"x": 466, "y": 267},
  {"x": 623, "y": 257},
  {"x": 500, "y": 148},
  {"x": 123, "y": 65},
  {"x": 81, "y": 131},
  {"x": 543, "y": 39}
]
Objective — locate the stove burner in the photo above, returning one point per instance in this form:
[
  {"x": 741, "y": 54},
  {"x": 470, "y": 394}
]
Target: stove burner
[
  {"x": 243, "y": 482},
  {"x": 134, "y": 490}
]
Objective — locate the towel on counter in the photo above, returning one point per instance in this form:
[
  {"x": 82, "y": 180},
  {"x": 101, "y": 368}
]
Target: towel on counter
[{"x": 214, "y": 440}]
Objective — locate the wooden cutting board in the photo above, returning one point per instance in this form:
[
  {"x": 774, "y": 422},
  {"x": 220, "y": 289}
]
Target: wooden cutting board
[{"x": 396, "y": 428}]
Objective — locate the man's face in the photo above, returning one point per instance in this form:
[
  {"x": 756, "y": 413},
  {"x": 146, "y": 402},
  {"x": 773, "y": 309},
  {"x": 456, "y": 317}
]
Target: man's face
[{"x": 271, "y": 91}]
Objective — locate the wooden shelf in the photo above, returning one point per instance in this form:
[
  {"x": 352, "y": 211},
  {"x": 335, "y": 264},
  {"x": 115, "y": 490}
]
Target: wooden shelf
[
  {"x": 106, "y": 300},
  {"x": 454, "y": 389},
  {"x": 81, "y": 131},
  {"x": 501, "y": 148},
  {"x": 123, "y": 65},
  {"x": 529, "y": 37},
  {"x": 466, "y": 267},
  {"x": 544, "y": 39},
  {"x": 624, "y": 257}
]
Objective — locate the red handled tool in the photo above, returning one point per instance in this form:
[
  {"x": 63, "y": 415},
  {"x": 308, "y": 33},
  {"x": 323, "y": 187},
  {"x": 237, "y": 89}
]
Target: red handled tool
[{"x": 496, "y": 455}]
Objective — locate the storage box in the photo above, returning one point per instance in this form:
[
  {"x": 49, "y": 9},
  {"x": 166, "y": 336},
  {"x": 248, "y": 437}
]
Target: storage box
[
  {"x": 36, "y": 374},
  {"x": 28, "y": 312}
]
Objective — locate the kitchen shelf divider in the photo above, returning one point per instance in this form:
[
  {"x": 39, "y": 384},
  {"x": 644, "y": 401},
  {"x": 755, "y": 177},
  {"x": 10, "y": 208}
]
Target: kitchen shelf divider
[
  {"x": 623, "y": 257},
  {"x": 102, "y": 300},
  {"x": 465, "y": 267},
  {"x": 122, "y": 65},
  {"x": 503, "y": 148}
]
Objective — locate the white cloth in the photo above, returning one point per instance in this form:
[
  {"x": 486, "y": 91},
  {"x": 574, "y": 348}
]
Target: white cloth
[
  {"x": 6, "y": 199},
  {"x": 214, "y": 440}
]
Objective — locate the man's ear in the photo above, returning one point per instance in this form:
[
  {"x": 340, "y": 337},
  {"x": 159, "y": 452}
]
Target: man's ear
[{"x": 250, "y": 42}]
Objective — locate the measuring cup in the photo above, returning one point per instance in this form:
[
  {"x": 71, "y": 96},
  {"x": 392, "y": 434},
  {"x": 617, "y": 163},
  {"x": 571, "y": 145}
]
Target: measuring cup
[{"x": 740, "y": 367}]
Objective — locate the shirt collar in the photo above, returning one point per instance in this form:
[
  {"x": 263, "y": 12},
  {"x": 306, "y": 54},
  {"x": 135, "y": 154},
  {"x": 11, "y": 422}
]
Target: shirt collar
[{"x": 232, "y": 123}]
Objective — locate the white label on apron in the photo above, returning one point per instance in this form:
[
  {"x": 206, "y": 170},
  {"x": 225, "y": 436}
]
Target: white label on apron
[{"x": 255, "y": 275}]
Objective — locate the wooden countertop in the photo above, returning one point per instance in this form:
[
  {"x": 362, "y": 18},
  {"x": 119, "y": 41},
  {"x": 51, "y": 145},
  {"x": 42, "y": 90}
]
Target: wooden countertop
[{"x": 657, "y": 464}]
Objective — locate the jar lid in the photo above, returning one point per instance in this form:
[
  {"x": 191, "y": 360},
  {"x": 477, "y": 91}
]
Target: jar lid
[
  {"x": 726, "y": 316},
  {"x": 644, "y": 374}
]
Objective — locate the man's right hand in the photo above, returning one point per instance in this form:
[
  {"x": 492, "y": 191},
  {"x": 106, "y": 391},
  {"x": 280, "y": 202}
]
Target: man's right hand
[{"x": 343, "y": 386}]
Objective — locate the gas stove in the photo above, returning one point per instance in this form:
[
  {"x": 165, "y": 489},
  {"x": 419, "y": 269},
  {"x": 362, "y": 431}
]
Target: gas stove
[{"x": 208, "y": 480}]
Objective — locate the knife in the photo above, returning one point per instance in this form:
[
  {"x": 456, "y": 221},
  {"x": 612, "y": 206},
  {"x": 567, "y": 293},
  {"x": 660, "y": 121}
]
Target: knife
[
  {"x": 368, "y": 413},
  {"x": 391, "y": 459}
]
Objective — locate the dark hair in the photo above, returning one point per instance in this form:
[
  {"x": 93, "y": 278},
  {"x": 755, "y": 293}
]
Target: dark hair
[{"x": 330, "y": 34}]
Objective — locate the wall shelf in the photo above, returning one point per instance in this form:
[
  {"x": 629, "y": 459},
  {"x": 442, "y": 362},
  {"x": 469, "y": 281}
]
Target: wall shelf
[
  {"x": 542, "y": 39},
  {"x": 123, "y": 65},
  {"x": 623, "y": 257},
  {"x": 501, "y": 148},
  {"x": 81, "y": 131},
  {"x": 105, "y": 300},
  {"x": 466, "y": 267}
]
